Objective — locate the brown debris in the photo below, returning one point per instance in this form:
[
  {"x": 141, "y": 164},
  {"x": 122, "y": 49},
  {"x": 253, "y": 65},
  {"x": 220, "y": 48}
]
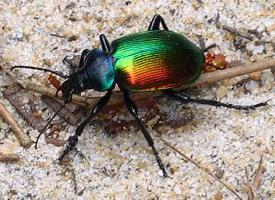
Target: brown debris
[
  {"x": 10, "y": 158},
  {"x": 70, "y": 117},
  {"x": 218, "y": 196},
  {"x": 55, "y": 141},
  {"x": 24, "y": 105},
  {"x": 237, "y": 32},
  {"x": 256, "y": 76},
  {"x": 20, "y": 135}
]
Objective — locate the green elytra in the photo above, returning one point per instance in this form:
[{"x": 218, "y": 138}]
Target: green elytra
[{"x": 156, "y": 60}]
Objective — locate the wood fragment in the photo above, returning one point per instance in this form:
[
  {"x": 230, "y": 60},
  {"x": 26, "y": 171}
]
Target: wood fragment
[
  {"x": 20, "y": 135},
  {"x": 237, "y": 32},
  {"x": 10, "y": 158},
  {"x": 219, "y": 75},
  {"x": 24, "y": 105},
  {"x": 206, "y": 170},
  {"x": 55, "y": 141},
  {"x": 70, "y": 117}
]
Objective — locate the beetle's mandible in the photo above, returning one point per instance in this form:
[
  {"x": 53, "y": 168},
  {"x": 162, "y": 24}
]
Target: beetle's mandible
[{"x": 145, "y": 61}]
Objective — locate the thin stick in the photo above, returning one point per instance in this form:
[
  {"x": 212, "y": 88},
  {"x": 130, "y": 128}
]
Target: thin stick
[
  {"x": 205, "y": 78},
  {"x": 9, "y": 157},
  {"x": 206, "y": 170},
  {"x": 22, "y": 138},
  {"x": 219, "y": 75},
  {"x": 235, "y": 31}
]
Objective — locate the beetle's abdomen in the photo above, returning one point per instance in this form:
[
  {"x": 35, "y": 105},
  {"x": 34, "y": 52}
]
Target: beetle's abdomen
[{"x": 156, "y": 60}]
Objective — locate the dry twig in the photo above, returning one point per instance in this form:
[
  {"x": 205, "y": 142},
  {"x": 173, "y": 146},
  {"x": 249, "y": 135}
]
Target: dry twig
[
  {"x": 9, "y": 158},
  {"x": 206, "y": 170},
  {"x": 22, "y": 138}
]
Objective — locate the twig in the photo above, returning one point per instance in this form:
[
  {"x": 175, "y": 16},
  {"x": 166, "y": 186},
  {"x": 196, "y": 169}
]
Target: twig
[
  {"x": 56, "y": 35},
  {"x": 219, "y": 75},
  {"x": 206, "y": 170},
  {"x": 22, "y": 138},
  {"x": 9, "y": 157},
  {"x": 236, "y": 32},
  {"x": 205, "y": 78}
]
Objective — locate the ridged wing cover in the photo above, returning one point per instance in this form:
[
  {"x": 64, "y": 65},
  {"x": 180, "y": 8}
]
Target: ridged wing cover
[{"x": 155, "y": 60}]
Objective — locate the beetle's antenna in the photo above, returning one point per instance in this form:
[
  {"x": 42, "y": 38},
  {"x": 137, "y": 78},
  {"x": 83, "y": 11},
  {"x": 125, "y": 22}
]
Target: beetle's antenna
[
  {"x": 45, "y": 127},
  {"x": 42, "y": 69}
]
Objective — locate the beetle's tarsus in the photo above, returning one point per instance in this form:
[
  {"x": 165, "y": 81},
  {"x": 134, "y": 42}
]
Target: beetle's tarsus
[
  {"x": 132, "y": 108},
  {"x": 72, "y": 141},
  {"x": 184, "y": 98}
]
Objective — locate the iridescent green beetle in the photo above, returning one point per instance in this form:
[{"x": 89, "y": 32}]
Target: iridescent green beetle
[{"x": 145, "y": 61}]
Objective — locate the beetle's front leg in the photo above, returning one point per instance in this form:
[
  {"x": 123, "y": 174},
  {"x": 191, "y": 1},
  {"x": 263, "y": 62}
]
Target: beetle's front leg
[
  {"x": 132, "y": 108},
  {"x": 72, "y": 141},
  {"x": 155, "y": 23},
  {"x": 184, "y": 98}
]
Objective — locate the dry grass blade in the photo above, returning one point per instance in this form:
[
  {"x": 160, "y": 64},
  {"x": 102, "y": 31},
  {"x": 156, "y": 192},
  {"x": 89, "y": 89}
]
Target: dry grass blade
[
  {"x": 249, "y": 189},
  {"x": 206, "y": 170},
  {"x": 259, "y": 172},
  {"x": 22, "y": 138}
]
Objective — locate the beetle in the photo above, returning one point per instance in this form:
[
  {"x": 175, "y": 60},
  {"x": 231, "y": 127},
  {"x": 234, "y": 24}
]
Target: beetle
[{"x": 156, "y": 59}]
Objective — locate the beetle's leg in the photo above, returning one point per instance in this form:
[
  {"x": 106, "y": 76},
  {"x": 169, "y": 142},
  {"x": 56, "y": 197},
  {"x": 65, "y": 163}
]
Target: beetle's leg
[
  {"x": 82, "y": 58},
  {"x": 72, "y": 141},
  {"x": 104, "y": 43},
  {"x": 155, "y": 23},
  {"x": 132, "y": 108},
  {"x": 187, "y": 99}
]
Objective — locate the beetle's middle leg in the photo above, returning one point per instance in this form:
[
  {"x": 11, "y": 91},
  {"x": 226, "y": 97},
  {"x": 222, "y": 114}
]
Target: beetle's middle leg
[
  {"x": 155, "y": 23},
  {"x": 72, "y": 141},
  {"x": 184, "y": 98},
  {"x": 105, "y": 43},
  {"x": 132, "y": 108}
]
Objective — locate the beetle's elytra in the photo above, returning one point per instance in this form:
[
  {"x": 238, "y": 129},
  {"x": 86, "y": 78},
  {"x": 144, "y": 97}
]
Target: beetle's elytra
[{"x": 145, "y": 61}]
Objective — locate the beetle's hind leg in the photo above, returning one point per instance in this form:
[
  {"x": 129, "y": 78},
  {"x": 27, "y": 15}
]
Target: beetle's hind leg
[
  {"x": 132, "y": 108},
  {"x": 72, "y": 141},
  {"x": 155, "y": 23},
  {"x": 184, "y": 98}
]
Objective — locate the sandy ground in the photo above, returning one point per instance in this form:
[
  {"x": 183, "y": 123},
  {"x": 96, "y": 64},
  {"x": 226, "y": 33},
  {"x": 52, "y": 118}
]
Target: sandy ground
[{"x": 228, "y": 142}]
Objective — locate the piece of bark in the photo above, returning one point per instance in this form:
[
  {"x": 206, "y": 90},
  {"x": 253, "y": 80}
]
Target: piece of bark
[
  {"x": 71, "y": 115},
  {"x": 24, "y": 105}
]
